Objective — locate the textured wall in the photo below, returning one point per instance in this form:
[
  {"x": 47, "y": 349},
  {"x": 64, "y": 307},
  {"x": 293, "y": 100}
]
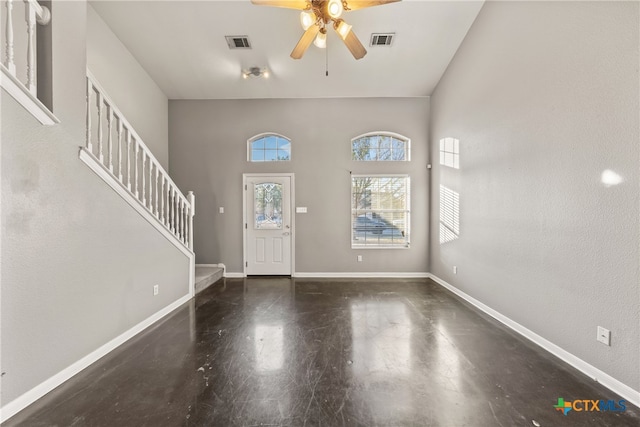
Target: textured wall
[
  {"x": 139, "y": 98},
  {"x": 208, "y": 149},
  {"x": 78, "y": 263},
  {"x": 543, "y": 97}
]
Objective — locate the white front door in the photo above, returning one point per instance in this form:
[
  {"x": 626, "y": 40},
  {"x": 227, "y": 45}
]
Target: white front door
[{"x": 268, "y": 225}]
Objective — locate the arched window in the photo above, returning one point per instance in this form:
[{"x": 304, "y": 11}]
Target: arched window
[
  {"x": 269, "y": 147},
  {"x": 380, "y": 147}
]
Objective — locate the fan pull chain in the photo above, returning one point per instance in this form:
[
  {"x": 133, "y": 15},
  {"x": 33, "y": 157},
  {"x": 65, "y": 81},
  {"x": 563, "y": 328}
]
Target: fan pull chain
[{"x": 326, "y": 49}]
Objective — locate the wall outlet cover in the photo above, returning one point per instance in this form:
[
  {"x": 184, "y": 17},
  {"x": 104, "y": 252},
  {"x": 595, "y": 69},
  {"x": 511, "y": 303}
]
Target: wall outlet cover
[{"x": 604, "y": 335}]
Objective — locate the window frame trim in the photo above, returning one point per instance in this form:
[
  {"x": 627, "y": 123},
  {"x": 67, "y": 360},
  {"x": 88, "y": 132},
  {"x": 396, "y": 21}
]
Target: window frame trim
[
  {"x": 395, "y": 135},
  {"x": 255, "y": 138},
  {"x": 407, "y": 210}
]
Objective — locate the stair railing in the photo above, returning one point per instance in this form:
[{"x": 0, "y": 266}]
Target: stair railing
[
  {"x": 114, "y": 144},
  {"x": 19, "y": 73}
]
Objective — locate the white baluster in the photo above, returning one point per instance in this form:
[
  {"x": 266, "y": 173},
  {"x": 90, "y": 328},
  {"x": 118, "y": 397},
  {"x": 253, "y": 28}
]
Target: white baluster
[
  {"x": 181, "y": 216},
  {"x": 144, "y": 159},
  {"x": 128, "y": 159},
  {"x": 11, "y": 65},
  {"x": 173, "y": 215},
  {"x": 30, "y": 17},
  {"x": 157, "y": 194},
  {"x": 170, "y": 206},
  {"x": 150, "y": 184},
  {"x": 110, "y": 139},
  {"x": 184, "y": 221},
  {"x": 176, "y": 218},
  {"x": 192, "y": 211},
  {"x": 174, "y": 204},
  {"x": 89, "y": 90},
  {"x": 99, "y": 100},
  {"x": 135, "y": 162},
  {"x": 120, "y": 149},
  {"x": 181, "y": 219},
  {"x": 174, "y": 209},
  {"x": 162, "y": 200}
]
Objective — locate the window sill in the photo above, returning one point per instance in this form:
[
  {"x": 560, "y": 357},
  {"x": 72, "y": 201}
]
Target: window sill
[
  {"x": 379, "y": 247},
  {"x": 20, "y": 93}
]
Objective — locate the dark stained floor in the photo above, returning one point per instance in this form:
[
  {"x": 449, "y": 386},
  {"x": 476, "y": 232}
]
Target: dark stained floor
[{"x": 292, "y": 352}]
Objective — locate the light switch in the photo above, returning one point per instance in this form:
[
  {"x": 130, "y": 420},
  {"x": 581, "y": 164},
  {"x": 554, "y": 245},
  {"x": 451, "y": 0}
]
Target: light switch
[
  {"x": 301, "y": 209},
  {"x": 221, "y": 209}
]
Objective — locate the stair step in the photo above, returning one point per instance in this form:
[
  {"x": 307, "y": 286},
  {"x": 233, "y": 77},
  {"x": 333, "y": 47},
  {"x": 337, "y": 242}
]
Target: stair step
[{"x": 207, "y": 276}]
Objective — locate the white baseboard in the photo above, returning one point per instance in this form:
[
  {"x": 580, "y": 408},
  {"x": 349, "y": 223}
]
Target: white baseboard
[
  {"x": 362, "y": 275},
  {"x": 21, "y": 402},
  {"x": 346, "y": 275},
  {"x": 232, "y": 275},
  {"x": 591, "y": 371}
]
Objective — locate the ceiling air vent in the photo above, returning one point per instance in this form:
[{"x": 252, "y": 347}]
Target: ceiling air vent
[
  {"x": 238, "y": 42},
  {"x": 382, "y": 39}
]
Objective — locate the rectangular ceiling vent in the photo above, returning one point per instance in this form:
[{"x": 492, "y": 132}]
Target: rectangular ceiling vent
[
  {"x": 382, "y": 39},
  {"x": 238, "y": 42}
]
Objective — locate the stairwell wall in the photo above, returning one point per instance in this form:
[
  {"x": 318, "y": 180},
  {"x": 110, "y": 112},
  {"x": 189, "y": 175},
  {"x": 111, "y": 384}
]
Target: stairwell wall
[
  {"x": 78, "y": 263},
  {"x": 135, "y": 93}
]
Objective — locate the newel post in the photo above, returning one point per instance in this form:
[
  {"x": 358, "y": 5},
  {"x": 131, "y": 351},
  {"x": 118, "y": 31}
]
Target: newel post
[{"x": 192, "y": 211}]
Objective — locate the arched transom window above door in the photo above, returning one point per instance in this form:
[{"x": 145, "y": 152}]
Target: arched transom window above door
[{"x": 269, "y": 147}]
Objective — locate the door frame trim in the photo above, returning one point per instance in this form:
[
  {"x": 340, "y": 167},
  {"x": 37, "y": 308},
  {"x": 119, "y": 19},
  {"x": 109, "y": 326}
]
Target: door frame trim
[{"x": 292, "y": 198}]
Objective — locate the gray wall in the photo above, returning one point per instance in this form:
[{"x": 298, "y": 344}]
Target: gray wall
[
  {"x": 208, "y": 150},
  {"x": 543, "y": 97},
  {"x": 139, "y": 98},
  {"x": 78, "y": 263}
]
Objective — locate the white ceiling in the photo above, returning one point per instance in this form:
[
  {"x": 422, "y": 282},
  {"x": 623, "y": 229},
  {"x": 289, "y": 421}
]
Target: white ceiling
[{"x": 181, "y": 45}]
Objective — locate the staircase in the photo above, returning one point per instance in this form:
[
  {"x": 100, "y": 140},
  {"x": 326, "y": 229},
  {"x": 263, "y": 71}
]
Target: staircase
[
  {"x": 207, "y": 275},
  {"x": 117, "y": 154}
]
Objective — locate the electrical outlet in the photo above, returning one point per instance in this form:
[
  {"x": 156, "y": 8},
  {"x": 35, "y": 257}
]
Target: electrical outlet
[
  {"x": 359, "y": 258},
  {"x": 455, "y": 269},
  {"x": 156, "y": 289},
  {"x": 604, "y": 335}
]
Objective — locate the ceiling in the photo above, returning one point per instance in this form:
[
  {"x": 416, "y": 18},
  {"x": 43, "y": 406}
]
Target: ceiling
[{"x": 181, "y": 44}]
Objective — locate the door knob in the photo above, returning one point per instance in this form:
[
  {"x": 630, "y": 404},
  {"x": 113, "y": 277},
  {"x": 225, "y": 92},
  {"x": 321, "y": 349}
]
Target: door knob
[{"x": 286, "y": 233}]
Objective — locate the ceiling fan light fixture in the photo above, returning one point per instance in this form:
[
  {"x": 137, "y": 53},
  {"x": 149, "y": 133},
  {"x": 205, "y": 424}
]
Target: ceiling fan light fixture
[
  {"x": 342, "y": 28},
  {"x": 307, "y": 19},
  {"x": 321, "y": 40},
  {"x": 335, "y": 8}
]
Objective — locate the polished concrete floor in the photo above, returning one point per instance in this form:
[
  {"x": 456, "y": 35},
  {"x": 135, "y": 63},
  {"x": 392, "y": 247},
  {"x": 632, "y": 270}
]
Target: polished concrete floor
[{"x": 291, "y": 352}]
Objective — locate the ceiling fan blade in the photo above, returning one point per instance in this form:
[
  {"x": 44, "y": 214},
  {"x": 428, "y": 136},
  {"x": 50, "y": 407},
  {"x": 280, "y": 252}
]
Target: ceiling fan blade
[
  {"x": 353, "y": 44},
  {"x": 361, "y": 4},
  {"x": 289, "y": 4},
  {"x": 305, "y": 41}
]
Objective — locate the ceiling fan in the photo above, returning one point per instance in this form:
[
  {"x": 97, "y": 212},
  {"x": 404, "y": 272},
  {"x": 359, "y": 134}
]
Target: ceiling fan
[{"x": 317, "y": 15}]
